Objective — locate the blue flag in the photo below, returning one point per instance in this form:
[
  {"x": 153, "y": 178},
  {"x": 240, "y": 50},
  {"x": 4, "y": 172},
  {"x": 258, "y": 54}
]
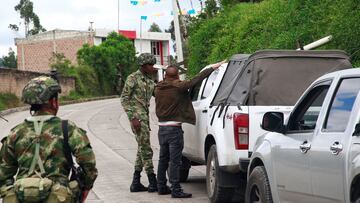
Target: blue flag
[
  {"x": 143, "y": 17},
  {"x": 192, "y": 11},
  {"x": 134, "y": 2}
]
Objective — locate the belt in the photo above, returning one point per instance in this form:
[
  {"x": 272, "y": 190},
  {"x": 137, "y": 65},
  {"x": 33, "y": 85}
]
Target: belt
[{"x": 171, "y": 125}]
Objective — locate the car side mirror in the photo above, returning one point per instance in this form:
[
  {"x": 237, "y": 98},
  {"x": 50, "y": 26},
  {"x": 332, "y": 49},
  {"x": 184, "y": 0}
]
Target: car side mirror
[
  {"x": 357, "y": 130},
  {"x": 273, "y": 122}
]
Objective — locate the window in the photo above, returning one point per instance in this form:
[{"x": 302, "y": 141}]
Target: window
[
  {"x": 306, "y": 113},
  {"x": 342, "y": 105},
  {"x": 155, "y": 48},
  {"x": 209, "y": 84},
  {"x": 194, "y": 92}
]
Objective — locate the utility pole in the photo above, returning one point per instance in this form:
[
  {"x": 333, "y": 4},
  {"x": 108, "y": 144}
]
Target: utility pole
[
  {"x": 118, "y": 23},
  {"x": 141, "y": 35},
  {"x": 178, "y": 39}
]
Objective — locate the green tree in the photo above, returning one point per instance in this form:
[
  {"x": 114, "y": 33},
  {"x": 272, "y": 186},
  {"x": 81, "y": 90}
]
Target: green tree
[
  {"x": 211, "y": 8},
  {"x": 31, "y": 20},
  {"x": 86, "y": 84},
  {"x": 155, "y": 28},
  {"x": 225, "y": 3},
  {"x": 114, "y": 56},
  {"x": 10, "y": 61}
]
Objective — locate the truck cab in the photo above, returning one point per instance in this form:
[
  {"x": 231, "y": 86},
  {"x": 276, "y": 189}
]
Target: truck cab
[{"x": 314, "y": 154}]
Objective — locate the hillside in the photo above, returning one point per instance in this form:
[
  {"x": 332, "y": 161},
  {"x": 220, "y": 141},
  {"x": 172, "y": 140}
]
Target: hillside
[{"x": 275, "y": 24}]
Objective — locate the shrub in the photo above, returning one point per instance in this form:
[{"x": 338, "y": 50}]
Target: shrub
[{"x": 9, "y": 100}]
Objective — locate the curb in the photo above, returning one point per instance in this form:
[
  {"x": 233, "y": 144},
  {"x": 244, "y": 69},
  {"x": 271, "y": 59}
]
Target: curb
[{"x": 25, "y": 108}]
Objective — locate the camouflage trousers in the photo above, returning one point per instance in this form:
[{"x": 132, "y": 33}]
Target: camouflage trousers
[{"x": 144, "y": 152}]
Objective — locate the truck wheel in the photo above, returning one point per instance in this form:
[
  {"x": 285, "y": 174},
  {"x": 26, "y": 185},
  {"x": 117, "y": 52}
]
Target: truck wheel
[
  {"x": 184, "y": 169},
  {"x": 258, "y": 187},
  {"x": 215, "y": 192}
]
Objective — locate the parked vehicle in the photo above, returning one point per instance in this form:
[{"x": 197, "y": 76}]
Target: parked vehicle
[
  {"x": 229, "y": 107},
  {"x": 160, "y": 73},
  {"x": 314, "y": 156}
]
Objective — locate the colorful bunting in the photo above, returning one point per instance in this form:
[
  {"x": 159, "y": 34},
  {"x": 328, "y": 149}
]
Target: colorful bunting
[
  {"x": 140, "y": 2},
  {"x": 143, "y": 2},
  {"x": 192, "y": 11},
  {"x": 158, "y": 14},
  {"x": 134, "y": 2}
]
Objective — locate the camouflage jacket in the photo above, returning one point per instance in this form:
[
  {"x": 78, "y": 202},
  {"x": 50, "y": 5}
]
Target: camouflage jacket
[
  {"x": 136, "y": 95},
  {"x": 18, "y": 150}
]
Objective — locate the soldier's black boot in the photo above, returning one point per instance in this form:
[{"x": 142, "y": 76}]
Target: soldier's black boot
[
  {"x": 152, "y": 183},
  {"x": 136, "y": 186}
]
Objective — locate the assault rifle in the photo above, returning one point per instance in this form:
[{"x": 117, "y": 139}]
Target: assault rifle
[{"x": 77, "y": 173}]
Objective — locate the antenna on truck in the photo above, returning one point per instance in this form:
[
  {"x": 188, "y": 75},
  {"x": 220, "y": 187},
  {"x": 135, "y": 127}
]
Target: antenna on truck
[{"x": 315, "y": 44}]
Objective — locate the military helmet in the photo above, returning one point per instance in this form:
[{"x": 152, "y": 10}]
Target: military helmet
[
  {"x": 39, "y": 90},
  {"x": 146, "y": 58}
]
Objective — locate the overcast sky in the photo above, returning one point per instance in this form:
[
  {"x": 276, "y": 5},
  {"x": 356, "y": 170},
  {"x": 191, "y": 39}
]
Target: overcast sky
[{"x": 76, "y": 15}]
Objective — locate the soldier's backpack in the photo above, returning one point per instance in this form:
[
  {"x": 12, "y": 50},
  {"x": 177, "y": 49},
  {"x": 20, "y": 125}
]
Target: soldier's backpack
[{"x": 35, "y": 188}]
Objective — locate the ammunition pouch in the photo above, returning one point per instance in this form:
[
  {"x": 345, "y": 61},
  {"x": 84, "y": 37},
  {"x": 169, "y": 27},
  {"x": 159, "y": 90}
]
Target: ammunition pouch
[
  {"x": 76, "y": 191},
  {"x": 33, "y": 189},
  {"x": 60, "y": 194},
  {"x": 8, "y": 194}
]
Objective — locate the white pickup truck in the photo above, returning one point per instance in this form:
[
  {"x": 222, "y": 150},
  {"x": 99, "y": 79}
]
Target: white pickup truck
[
  {"x": 229, "y": 106},
  {"x": 314, "y": 155}
]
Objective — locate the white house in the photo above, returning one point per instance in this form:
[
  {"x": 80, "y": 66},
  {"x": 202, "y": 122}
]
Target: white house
[{"x": 157, "y": 43}]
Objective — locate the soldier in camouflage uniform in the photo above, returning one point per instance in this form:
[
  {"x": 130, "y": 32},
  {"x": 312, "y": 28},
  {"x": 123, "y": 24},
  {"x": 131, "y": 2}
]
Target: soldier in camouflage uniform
[
  {"x": 135, "y": 99},
  {"x": 42, "y": 134}
]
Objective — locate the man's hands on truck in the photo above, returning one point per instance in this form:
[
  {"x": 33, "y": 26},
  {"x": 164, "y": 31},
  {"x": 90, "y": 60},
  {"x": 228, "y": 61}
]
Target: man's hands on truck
[{"x": 217, "y": 65}]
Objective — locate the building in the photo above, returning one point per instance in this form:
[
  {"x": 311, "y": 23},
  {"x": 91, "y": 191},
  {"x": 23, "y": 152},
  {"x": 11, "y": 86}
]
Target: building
[
  {"x": 157, "y": 43},
  {"x": 34, "y": 52}
]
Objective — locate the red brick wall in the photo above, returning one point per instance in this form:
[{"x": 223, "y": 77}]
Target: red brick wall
[
  {"x": 13, "y": 81},
  {"x": 37, "y": 53}
]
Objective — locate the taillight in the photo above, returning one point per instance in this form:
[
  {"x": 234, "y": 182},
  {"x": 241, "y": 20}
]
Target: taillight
[{"x": 241, "y": 130}]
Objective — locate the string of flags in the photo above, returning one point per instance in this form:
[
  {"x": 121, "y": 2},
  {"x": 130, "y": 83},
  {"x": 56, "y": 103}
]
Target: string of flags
[{"x": 191, "y": 11}]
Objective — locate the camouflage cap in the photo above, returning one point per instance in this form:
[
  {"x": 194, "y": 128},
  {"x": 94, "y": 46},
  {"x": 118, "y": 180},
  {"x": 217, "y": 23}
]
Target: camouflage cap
[
  {"x": 39, "y": 90},
  {"x": 146, "y": 58}
]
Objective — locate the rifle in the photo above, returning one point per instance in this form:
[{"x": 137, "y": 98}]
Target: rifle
[{"x": 77, "y": 173}]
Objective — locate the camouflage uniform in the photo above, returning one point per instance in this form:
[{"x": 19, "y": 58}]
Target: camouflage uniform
[
  {"x": 135, "y": 100},
  {"x": 19, "y": 146}
]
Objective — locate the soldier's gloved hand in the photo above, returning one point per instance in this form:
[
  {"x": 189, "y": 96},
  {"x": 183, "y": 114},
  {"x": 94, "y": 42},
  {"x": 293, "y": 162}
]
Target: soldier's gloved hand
[{"x": 136, "y": 125}]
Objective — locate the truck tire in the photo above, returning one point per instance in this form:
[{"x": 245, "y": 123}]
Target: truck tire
[
  {"x": 184, "y": 169},
  {"x": 258, "y": 187},
  {"x": 215, "y": 192}
]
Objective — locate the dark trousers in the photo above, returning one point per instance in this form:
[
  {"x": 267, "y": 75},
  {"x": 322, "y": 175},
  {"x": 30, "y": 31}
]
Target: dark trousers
[{"x": 171, "y": 142}]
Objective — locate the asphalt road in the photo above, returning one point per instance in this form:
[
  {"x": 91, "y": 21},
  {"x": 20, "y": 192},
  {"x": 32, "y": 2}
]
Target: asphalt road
[{"x": 115, "y": 148}]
